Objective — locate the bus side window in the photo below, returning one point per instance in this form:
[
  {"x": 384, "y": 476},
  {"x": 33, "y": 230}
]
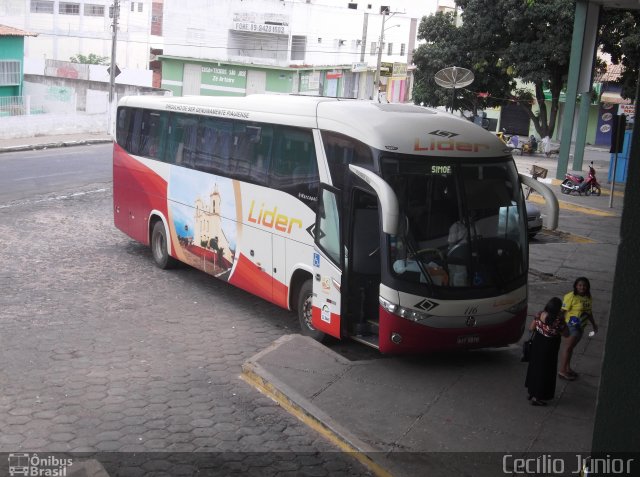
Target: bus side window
[
  {"x": 134, "y": 138},
  {"x": 259, "y": 165},
  {"x": 124, "y": 126},
  {"x": 179, "y": 131},
  {"x": 207, "y": 139},
  {"x": 294, "y": 166},
  {"x": 152, "y": 134},
  {"x": 224, "y": 141},
  {"x": 341, "y": 151}
]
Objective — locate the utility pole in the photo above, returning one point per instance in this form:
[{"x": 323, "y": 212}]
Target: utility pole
[
  {"x": 377, "y": 82},
  {"x": 112, "y": 68}
]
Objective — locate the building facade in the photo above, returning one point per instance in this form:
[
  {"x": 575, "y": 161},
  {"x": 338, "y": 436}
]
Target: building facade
[
  {"x": 82, "y": 27},
  {"x": 303, "y": 47},
  {"x": 11, "y": 60}
]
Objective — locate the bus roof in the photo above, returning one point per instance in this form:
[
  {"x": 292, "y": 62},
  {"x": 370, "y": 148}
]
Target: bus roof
[{"x": 396, "y": 127}]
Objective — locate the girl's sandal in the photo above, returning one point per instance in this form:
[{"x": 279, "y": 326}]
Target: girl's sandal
[{"x": 566, "y": 377}]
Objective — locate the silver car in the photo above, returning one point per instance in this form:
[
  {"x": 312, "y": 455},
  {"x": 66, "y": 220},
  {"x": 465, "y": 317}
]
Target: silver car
[{"x": 534, "y": 219}]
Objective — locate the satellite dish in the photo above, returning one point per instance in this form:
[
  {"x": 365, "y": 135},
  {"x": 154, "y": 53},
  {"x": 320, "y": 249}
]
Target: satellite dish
[{"x": 452, "y": 78}]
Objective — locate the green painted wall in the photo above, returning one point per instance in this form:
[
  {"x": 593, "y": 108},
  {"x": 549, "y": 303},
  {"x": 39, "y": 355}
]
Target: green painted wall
[
  {"x": 172, "y": 71},
  {"x": 223, "y": 80},
  {"x": 592, "y": 124},
  {"x": 279, "y": 82},
  {"x": 11, "y": 48}
]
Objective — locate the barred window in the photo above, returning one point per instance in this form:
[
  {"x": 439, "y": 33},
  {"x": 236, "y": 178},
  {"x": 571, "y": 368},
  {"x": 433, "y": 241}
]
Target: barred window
[
  {"x": 390, "y": 49},
  {"x": 41, "y": 6},
  {"x": 68, "y": 8},
  {"x": 402, "y": 49},
  {"x": 9, "y": 72},
  {"x": 93, "y": 10},
  {"x": 139, "y": 6}
]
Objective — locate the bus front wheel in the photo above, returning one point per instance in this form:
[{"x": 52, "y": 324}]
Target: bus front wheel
[
  {"x": 305, "y": 297},
  {"x": 159, "y": 248}
]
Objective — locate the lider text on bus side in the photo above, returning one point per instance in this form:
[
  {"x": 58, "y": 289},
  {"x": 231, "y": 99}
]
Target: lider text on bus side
[{"x": 272, "y": 219}]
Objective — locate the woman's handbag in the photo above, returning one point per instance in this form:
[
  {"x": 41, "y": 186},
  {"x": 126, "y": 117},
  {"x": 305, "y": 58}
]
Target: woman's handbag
[{"x": 526, "y": 348}]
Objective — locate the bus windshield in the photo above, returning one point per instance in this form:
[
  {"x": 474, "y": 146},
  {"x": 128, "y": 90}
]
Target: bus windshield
[{"x": 463, "y": 223}]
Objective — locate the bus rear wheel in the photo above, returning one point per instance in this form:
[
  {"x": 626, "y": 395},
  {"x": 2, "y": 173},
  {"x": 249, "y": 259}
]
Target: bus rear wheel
[
  {"x": 305, "y": 297},
  {"x": 159, "y": 248}
]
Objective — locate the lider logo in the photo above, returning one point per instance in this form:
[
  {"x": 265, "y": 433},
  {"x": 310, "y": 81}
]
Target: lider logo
[
  {"x": 271, "y": 219},
  {"x": 449, "y": 145}
]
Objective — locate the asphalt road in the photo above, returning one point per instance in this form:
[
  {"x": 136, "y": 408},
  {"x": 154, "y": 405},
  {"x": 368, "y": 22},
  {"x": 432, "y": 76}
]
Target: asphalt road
[
  {"x": 103, "y": 352},
  {"x": 28, "y": 174}
]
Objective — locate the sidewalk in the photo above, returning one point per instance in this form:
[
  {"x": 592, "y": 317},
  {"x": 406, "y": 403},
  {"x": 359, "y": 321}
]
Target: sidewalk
[{"x": 44, "y": 142}]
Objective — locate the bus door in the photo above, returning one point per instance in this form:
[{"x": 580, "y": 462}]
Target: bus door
[{"x": 327, "y": 263}]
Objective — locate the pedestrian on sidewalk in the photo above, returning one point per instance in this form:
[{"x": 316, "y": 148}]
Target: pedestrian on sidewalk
[
  {"x": 578, "y": 306},
  {"x": 548, "y": 325}
]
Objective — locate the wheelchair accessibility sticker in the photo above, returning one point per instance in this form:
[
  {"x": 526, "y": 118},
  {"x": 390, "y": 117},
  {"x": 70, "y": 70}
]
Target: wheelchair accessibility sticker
[{"x": 316, "y": 259}]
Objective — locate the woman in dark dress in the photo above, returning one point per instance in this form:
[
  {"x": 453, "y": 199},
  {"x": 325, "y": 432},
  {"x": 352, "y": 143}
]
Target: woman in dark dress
[{"x": 548, "y": 326}]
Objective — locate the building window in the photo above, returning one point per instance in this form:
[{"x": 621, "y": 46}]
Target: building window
[
  {"x": 353, "y": 6},
  {"x": 9, "y": 72},
  {"x": 298, "y": 47},
  {"x": 67, "y": 8},
  {"x": 373, "y": 48},
  {"x": 402, "y": 49},
  {"x": 133, "y": 6},
  {"x": 139, "y": 6},
  {"x": 93, "y": 10},
  {"x": 384, "y": 10},
  {"x": 41, "y": 6},
  {"x": 390, "y": 49}
]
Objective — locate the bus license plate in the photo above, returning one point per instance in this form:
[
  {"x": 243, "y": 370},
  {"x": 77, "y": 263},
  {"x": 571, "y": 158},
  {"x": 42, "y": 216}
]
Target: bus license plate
[{"x": 468, "y": 339}]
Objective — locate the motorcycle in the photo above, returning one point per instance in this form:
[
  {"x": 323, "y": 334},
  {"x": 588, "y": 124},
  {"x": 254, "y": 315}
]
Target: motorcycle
[{"x": 576, "y": 183}]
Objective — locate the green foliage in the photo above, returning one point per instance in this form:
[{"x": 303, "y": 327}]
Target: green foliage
[
  {"x": 500, "y": 40},
  {"x": 620, "y": 37},
  {"x": 91, "y": 59}
]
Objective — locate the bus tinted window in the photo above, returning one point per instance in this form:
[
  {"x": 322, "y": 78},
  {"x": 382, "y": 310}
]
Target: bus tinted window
[
  {"x": 123, "y": 128},
  {"x": 141, "y": 132},
  {"x": 341, "y": 151},
  {"x": 294, "y": 167}
]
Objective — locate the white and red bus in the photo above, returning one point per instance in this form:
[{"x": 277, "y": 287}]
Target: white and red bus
[{"x": 396, "y": 225}]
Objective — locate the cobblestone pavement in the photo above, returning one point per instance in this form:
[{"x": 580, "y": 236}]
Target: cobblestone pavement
[{"x": 101, "y": 351}]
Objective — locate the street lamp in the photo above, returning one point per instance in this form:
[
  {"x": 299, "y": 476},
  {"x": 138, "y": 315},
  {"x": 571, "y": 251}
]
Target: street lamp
[{"x": 385, "y": 13}]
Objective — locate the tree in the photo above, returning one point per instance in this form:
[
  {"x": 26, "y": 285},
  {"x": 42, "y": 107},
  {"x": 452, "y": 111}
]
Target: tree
[
  {"x": 501, "y": 41},
  {"x": 620, "y": 37},
  {"x": 446, "y": 45},
  {"x": 91, "y": 59}
]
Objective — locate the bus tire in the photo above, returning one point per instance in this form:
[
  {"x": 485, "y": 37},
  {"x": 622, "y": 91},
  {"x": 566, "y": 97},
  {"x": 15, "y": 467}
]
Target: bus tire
[
  {"x": 305, "y": 297},
  {"x": 159, "y": 248}
]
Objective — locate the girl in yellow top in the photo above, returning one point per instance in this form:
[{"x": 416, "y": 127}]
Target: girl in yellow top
[{"x": 578, "y": 310}]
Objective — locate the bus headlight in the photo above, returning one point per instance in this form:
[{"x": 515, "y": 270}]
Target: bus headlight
[{"x": 402, "y": 312}]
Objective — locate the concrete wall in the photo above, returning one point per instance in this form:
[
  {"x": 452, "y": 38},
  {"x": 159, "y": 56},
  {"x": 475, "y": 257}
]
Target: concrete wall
[
  {"x": 51, "y": 124},
  {"x": 81, "y": 87}
]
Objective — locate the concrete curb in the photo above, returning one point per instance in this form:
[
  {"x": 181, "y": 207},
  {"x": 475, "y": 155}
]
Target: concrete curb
[
  {"x": 50, "y": 145},
  {"x": 290, "y": 400}
]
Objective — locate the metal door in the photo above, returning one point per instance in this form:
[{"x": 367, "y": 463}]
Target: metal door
[{"x": 327, "y": 264}]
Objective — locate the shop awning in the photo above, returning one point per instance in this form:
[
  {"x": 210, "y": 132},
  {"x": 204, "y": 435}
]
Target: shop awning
[{"x": 613, "y": 98}]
